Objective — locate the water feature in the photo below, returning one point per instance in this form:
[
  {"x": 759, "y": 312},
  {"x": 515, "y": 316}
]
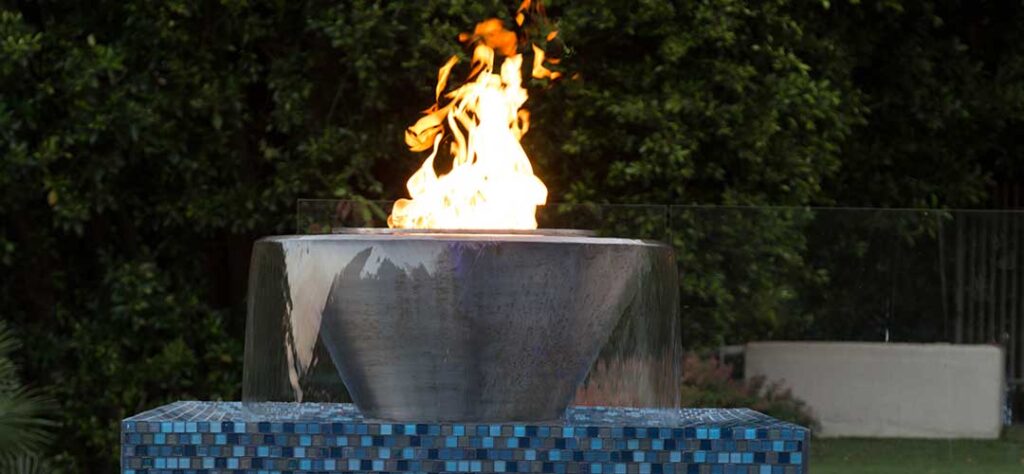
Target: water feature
[
  {"x": 287, "y": 357},
  {"x": 463, "y": 352}
]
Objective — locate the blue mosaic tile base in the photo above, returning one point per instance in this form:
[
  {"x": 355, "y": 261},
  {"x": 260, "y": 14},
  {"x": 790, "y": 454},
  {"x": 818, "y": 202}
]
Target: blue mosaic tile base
[{"x": 311, "y": 438}]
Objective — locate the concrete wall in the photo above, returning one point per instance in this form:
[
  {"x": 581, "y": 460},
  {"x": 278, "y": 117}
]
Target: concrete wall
[{"x": 890, "y": 390}]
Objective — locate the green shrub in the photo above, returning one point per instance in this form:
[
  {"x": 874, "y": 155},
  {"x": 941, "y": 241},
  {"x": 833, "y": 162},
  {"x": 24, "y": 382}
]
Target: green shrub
[
  {"x": 146, "y": 343},
  {"x": 710, "y": 383},
  {"x": 24, "y": 428}
]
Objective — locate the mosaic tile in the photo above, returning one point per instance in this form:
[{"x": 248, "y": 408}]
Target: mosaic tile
[{"x": 313, "y": 438}]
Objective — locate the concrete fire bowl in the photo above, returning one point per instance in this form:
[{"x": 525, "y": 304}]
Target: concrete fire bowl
[{"x": 459, "y": 327}]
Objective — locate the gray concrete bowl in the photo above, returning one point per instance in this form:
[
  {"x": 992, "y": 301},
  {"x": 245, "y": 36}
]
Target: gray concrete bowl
[{"x": 457, "y": 327}]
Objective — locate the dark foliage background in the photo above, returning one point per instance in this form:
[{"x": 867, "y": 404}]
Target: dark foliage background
[{"x": 144, "y": 145}]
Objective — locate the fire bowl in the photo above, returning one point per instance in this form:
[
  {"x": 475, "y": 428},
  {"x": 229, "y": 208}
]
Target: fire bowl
[{"x": 456, "y": 326}]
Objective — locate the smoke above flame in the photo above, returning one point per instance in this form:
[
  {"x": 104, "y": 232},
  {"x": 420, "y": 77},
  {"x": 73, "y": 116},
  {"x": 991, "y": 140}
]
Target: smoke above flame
[{"x": 491, "y": 184}]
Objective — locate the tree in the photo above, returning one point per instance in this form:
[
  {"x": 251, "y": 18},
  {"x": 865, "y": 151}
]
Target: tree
[{"x": 704, "y": 103}]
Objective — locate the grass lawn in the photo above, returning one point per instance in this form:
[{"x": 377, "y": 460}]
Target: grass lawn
[{"x": 892, "y": 456}]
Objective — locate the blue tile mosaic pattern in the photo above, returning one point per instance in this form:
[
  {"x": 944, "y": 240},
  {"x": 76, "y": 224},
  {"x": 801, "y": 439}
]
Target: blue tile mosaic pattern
[{"x": 312, "y": 438}]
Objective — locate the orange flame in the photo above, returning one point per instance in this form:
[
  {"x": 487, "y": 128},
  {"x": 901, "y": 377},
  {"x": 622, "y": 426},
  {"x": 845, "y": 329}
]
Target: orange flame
[{"x": 491, "y": 184}]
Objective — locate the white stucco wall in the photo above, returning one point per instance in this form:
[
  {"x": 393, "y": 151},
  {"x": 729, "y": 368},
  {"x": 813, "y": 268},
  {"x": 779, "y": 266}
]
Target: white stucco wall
[{"x": 890, "y": 390}]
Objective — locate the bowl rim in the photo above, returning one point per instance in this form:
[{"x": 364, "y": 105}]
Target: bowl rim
[
  {"x": 390, "y": 231},
  {"x": 451, "y": 236}
]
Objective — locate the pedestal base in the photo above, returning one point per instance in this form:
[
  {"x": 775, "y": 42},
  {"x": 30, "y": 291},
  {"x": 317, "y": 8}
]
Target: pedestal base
[{"x": 280, "y": 438}]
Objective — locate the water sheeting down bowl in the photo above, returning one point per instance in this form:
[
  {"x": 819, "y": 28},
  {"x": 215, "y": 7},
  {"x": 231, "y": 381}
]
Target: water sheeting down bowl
[{"x": 450, "y": 327}]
